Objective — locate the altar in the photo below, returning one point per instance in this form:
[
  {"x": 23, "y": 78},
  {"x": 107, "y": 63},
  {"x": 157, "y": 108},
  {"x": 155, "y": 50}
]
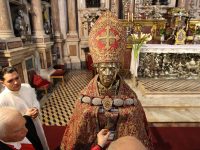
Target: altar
[
  {"x": 167, "y": 61},
  {"x": 167, "y": 69}
]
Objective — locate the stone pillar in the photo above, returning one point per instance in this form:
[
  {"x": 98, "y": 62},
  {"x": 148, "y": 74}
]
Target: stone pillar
[
  {"x": 72, "y": 36},
  {"x": 6, "y": 30},
  {"x": 12, "y": 51},
  {"x": 7, "y": 37},
  {"x": 38, "y": 28},
  {"x": 181, "y": 3},
  {"x": 62, "y": 16},
  {"x": 55, "y": 17},
  {"x": 72, "y": 17},
  {"x": 63, "y": 29},
  {"x": 43, "y": 43},
  {"x": 57, "y": 30}
]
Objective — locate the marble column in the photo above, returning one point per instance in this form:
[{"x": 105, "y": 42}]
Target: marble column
[
  {"x": 72, "y": 17},
  {"x": 7, "y": 37},
  {"x": 6, "y": 30},
  {"x": 63, "y": 18},
  {"x": 43, "y": 43},
  {"x": 55, "y": 17},
  {"x": 63, "y": 29},
  {"x": 57, "y": 30},
  {"x": 38, "y": 29},
  {"x": 181, "y": 3},
  {"x": 72, "y": 36}
]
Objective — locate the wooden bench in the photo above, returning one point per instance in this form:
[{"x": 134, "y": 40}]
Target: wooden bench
[{"x": 58, "y": 74}]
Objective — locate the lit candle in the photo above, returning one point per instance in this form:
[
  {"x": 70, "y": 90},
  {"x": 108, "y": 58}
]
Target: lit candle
[
  {"x": 132, "y": 17},
  {"x": 128, "y": 16}
]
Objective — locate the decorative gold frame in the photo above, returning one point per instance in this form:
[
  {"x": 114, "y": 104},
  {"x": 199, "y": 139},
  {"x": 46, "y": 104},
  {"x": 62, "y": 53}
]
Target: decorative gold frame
[
  {"x": 137, "y": 25},
  {"x": 181, "y": 33}
]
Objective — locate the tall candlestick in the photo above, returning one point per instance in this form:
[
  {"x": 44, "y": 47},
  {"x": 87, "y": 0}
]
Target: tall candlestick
[
  {"x": 132, "y": 17},
  {"x": 128, "y": 16},
  {"x": 134, "y": 7}
]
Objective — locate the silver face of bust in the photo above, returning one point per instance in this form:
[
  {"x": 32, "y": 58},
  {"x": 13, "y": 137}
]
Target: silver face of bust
[{"x": 107, "y": 73}]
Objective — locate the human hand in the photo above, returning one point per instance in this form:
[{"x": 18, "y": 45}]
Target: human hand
[
  {"x": 32, "y": 112},
  {"x": 102, "y": 137}
]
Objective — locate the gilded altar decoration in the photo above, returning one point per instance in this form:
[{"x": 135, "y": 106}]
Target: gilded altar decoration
[
  {"x": 196, "y": 38},
  {"x": 168, "y": 62},
  {"x": 180, "y": 37},
  {"x": 178, "y": 12},
  {"x": 139, "y": 40}
]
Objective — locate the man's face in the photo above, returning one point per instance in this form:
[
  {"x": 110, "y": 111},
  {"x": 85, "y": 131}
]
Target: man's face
[
  {"x": 107, "y": 73},
  {"x": 12, "y": 81},
  {"x": 16, "y": 130}
]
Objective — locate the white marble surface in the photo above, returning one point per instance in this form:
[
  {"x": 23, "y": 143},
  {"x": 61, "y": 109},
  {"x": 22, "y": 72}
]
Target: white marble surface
[
  {"x": 169, "y": 108},
  {"x": 166, "y": 48},
  {"x": 172, "y": 114}
]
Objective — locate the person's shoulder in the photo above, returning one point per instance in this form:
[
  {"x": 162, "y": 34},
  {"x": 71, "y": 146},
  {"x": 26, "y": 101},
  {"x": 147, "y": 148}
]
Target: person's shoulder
[
  {"x": 4, "y": 92},
  {"x": 4, "y": 96},
  {"x": 25, "y": 85}
]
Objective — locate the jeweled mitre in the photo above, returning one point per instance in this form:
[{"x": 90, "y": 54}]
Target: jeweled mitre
[{"x": 107, "y": 39}]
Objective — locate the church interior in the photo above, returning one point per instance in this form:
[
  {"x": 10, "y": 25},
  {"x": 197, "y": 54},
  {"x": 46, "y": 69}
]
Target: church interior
[{"x": 47, "y": 42}]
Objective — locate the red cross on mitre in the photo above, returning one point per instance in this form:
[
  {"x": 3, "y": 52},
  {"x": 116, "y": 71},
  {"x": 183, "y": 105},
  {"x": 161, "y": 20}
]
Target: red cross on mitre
[{"x": 107, "y": 38}]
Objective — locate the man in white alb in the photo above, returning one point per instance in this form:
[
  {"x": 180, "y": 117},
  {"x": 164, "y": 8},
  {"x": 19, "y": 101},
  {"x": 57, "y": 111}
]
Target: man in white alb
[{"x": 22, "y": 97}]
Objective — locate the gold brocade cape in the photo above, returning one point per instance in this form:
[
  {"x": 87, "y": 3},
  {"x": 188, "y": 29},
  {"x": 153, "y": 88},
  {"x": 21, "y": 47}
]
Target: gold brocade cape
[{"x": 80, "y": 133}]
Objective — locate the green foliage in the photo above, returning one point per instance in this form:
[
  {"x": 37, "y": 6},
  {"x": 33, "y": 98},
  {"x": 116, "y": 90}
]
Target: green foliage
[
  {"x": 197, "y": 31},
  {"x": 162, "y": 31}
]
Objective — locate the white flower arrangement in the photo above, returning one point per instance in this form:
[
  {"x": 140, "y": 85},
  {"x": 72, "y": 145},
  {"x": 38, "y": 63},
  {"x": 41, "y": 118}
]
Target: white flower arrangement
[{"x": 139, "y": 39}]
